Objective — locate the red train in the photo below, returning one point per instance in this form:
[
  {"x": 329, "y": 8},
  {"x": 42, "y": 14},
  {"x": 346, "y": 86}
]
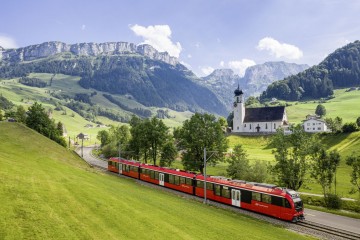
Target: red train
[{"x": 264, "y": 198}]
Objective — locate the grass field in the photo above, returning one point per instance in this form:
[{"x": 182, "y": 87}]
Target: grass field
[
  {"x": 47, "y": 192},
  {"x": 343, "y": 105}
]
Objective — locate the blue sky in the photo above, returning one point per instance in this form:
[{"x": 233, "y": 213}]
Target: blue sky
[{"x": 204, "y": 34}]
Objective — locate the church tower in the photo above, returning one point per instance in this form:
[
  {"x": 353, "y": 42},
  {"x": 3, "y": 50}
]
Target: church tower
[{"x": 239, "y": 111}]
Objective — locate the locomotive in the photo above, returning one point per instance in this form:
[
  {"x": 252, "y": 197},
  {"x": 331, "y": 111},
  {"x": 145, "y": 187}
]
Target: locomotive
[{"x": 263, "y": 198}]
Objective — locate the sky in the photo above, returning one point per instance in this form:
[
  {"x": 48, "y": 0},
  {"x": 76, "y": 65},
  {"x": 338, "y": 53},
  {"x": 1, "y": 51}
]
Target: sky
[{"x": 204, "y": 34}]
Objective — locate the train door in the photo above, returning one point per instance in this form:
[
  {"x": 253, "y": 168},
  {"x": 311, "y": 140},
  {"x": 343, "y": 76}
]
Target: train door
[
  {"x": 120, "y": 168},
  {"x": 161, "y": 179},
  {"x": 235, "y": 197}
]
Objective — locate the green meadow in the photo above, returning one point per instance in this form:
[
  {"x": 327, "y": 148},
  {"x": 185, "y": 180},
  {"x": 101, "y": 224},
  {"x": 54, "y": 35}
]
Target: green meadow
[{"x": 48, "y": 192}]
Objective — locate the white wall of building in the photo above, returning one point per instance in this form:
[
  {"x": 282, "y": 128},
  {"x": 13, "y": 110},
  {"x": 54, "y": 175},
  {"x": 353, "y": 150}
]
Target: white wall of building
[{"x": 314, "y": 126}]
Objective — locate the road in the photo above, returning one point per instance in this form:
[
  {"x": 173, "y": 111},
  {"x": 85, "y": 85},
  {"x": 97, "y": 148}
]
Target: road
[
  {"x": 89, "y": 158},
  {"x": 332, "y": 220}
]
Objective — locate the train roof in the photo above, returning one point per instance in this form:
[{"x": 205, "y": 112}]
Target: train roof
[
  {"x": 253, "y": 186},
  {"x": 126, "y": 161},
  {"x": 169, "y": 170}
]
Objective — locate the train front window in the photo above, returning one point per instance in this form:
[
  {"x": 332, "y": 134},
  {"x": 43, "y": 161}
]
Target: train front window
[{"x": 298, "y": 206}]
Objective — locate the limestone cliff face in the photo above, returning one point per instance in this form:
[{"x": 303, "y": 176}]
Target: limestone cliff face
[{"x": 48, "y": 49}]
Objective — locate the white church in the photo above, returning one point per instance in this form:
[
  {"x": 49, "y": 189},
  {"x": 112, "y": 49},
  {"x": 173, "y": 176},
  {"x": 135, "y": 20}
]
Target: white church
[{"x": 257, "y": 120}]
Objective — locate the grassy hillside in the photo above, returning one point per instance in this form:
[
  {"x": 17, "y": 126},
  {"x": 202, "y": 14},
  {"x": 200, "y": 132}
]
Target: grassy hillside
[
  {"x": 343, "y": 105},
  {"x": 46, "y": 192},
  {"x": 24, "y": 95}
]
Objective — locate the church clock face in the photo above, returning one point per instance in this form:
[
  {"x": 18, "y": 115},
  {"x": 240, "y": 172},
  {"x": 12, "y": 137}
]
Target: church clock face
[{"x": 235, "y": 104}]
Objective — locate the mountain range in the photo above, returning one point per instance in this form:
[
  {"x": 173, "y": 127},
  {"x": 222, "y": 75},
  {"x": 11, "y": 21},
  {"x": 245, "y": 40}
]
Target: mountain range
[
  {"x": 150, "y": 77},
  {"x": 256, "y": 79}
]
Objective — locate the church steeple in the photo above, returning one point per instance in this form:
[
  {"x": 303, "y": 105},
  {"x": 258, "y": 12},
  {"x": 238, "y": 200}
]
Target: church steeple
[{"x": 239, "y": 110}]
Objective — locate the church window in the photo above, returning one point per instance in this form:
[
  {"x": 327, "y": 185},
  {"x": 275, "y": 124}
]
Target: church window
[
  {"x": 245, "y": 125},
  {"x": 237, "y": 99},
  {"x": 274, "y": 125},
  {"x": 238, "y": 128},
  {"x": 250, "y": 126},
  {"x": 266, "y": 126}
]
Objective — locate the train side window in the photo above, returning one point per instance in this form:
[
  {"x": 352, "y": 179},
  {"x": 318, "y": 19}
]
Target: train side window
[
  {"x": 182, "y": 180},
  {"x": 188, "y": 181},
  {"x": 171, "y": 179},
  {"x": 152, "y": 174},
  {"x": 200, "y": 184},
  {"x": 266, "y": 198},
  {"x": 246, "y": 196},
  {"x": 277, "y": 201},
  {"x": 136, "y": 169},
  {"x": 225, "y": 192},
  {"x": 209, "y": 186},
  {"x": 256, "y": 196},
  {"x": 287, "y": 204},
  {"x": 217, "y": 190},
  {"x": 177, "y": 180},
  {"x": 166, "y": 177},
  {"x": 157, "y": 175},
  {"x": 124, "y": 167}
]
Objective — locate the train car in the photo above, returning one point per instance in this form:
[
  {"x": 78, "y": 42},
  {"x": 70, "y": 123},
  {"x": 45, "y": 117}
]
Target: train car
[
  {"x": 259, "y": 197},
  {"x": 263, "y": 198},
  {"x": 125, "y": 167},
  {"x": 171, "y": 178}
]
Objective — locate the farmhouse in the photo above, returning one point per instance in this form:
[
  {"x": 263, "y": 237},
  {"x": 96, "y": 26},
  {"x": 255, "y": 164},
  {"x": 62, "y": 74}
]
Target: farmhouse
[
  {"x": 314, "y": 124},
  {"x": 257, "y": 120}
]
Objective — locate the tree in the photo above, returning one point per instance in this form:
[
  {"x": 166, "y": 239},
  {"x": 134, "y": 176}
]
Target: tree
[
  {"x": 239, "y": 167},
  {"x": 323, "y": 168},
  {"x": 252, "y": 102},
  {"x": 230, "y": 119},
  {"x": 38, "y": 120},
  {"x": 20, "y": 114},
  {"x": 349, "y": 127},
  {"x": 320, "y": 110},
  {"x": 168, "y": 154},
  {"x": 104, "y": 137},
  {"x": 358, "y": 122},
  {"x": 148, "y": 137},
  {"x": 292, "y": 153},
  {"x": 354, "y": 162},
  {"x": 258, "y": 172},
  {"x": 334, "y": 125},
  {"x": 199, "y": 132}
]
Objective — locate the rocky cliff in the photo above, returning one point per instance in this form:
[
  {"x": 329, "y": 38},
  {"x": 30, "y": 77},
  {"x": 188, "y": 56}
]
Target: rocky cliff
[
  {"x": 48, "y": 49},
  {"x": 223, "y": 82}
]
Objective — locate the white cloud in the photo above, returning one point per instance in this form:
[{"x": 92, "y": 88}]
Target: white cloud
[
  {"x": 158, "y": 36},
  {"x": 279, "y": 49},
  {"x": 83, "y": 27},
  {"x": 206, "y": 70},
  {"x": 189, "y": 56},
  {"x": 7, "y": 42},
  {"x": 222, "y": 64},
  {"x": 188, "y": 66},
  {"x": 239, "y": 67}
]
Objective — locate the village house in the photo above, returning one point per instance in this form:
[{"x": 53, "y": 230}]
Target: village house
[{"x": 313, "y": 124}]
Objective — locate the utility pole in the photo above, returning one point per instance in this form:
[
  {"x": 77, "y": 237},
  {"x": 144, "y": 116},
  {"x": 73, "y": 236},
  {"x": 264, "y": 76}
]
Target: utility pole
[{"x": 205, "y": 160}]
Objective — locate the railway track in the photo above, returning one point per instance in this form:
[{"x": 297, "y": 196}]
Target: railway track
[{"x": 330, "y": 230}]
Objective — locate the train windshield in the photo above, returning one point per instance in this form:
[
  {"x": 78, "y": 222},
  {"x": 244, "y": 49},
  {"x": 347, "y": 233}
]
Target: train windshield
[{"x": 298, "y": 205}]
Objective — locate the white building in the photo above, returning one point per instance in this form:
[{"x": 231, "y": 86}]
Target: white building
[
  {"x": 313, "y": 124},
  {"x": 257, "y": 120}
]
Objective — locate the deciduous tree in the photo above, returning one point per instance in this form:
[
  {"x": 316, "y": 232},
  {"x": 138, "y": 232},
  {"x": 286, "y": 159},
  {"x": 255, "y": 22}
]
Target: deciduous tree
[
  {"x": 292, "y": 154},
  {"x": 199, "y": 132}
]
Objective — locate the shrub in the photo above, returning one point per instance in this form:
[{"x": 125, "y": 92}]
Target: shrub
[
  {"x": 349, "y": 127},
  {"x": 332, "y": 201}
]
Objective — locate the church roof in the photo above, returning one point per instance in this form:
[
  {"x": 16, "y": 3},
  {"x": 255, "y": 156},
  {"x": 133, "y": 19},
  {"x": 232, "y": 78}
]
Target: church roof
[{"x": 264, "y": 114}]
